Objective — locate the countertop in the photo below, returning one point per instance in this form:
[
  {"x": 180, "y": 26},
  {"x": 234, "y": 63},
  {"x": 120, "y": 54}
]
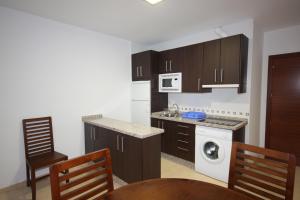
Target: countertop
[
  {"x": 243, "y": 123},
  {"x": 127, "y": 128}
]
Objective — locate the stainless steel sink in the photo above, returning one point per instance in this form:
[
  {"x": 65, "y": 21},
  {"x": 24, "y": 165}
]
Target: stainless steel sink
[{"x": 169, "y": 114}]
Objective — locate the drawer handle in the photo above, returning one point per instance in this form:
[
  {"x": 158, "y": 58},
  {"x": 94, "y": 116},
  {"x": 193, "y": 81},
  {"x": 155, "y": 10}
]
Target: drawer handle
[
  {"x": 179, "y": 133},
  {"x": 183, "y": 141},
  {"x": 182, "y": 126},
  {"x": 183, "y": 149}
]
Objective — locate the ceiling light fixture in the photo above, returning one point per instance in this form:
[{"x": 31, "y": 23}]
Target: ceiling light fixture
[{"x": 153, "y": 1}]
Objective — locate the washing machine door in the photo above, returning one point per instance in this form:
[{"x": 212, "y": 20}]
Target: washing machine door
[{"x": 212, "y": 150}]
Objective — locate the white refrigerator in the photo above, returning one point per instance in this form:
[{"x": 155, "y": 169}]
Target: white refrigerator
[{"x": 141, "y": 102}]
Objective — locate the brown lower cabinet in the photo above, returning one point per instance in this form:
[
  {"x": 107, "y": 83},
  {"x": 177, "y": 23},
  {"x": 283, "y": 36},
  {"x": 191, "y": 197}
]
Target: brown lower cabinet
[
  {"x": 178, "y": 139},
  {"x": 133, "y": 159}
]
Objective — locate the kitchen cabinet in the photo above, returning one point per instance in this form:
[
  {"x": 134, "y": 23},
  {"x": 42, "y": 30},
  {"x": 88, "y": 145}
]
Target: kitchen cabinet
[
  {"x": 143, "y": 65},
  {"x": 178, "y": 139},
  {"x": 133, "y": 159},
  {"x": 225, "y": 62},
  {"x": 171, "y": 61},
  {"x": 89, "y": 137},
  {"x": 158, "y": 123},
  {"x": 184, "y": 141},
  {"x": 192, "y": 75}
]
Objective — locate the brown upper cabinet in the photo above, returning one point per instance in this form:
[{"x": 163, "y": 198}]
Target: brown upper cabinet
[
  {"x": 225, "y": 62},
  {"x": 143, "y": 65},
  {"x": 171, "y": 61},
  {"x": 192, "y": 69}
]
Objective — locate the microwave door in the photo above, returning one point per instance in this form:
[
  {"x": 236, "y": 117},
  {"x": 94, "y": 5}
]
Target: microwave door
[{"x": 167, "y": 83}]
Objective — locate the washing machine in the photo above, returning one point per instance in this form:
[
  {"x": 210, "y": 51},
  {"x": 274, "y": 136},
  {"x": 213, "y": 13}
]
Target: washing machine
[{"x": 213, "y": 152}]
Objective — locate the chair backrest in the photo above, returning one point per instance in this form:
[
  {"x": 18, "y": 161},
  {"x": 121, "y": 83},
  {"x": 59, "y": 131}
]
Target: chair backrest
[
  {"x": 262, "y": 173},
  {"x": 88, "y": 176},
  {"x": 38, "y": 136}
]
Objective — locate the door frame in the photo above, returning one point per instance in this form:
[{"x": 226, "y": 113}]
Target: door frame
[{"x": 269, "y": 86}]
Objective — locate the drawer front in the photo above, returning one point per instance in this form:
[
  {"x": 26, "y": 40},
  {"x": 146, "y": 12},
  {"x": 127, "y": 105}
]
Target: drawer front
[{"x": 185, "y": 141}]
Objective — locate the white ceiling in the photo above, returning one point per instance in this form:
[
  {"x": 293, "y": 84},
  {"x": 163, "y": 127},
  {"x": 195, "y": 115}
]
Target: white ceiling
[{"x": 143, "y": 23}]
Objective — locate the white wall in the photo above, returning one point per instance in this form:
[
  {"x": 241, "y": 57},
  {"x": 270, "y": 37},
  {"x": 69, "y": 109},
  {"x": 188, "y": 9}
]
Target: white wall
[
  {"x": 256, "y": 85},
  {"x": 49, "y": 68},
  {"x": 229, "y": 99},
  {"x": 275, "y": 42}
]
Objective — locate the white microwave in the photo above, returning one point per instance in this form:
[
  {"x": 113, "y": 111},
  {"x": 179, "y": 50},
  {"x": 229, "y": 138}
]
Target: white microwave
[{"x": 170, "y": 82}]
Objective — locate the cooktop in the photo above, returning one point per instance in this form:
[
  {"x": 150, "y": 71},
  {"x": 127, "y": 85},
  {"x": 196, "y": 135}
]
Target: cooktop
[{"x": 220, "y": 121}]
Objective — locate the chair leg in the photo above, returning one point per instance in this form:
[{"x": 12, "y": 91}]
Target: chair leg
[
  {"x": 27, "y": 175},
  {"x": 33, "y": 184}
]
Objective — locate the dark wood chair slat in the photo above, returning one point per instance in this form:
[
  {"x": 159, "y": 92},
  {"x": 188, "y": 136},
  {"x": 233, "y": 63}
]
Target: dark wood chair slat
[
  {"x": 272, "y": 163},
  {"x": 279, "y": 190},
  {"x": 81, "y": 171},
  {"x": 84, "y": 179},
  {"x": 257, "y": 191},
  {"x": 261, "y": 168}
]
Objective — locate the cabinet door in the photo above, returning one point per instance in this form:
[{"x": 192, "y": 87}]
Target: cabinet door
[
  {"x": 89, "y": 138},
  {"x": 192, "y": 69},
  {"x": 116, "y": 154},
  {"x": 102, "y": 139},
  {"x": 141, "y": 66},
  {"x": 230, "y": 60},
  {"x": 211, "y": 62},
  {"x": 176, "y": 60},
  {"x": 158, "y": 123},
  {"x": 131, "y": 149},
  {"x": 164, "y": 62},
  {"x": 167, "y": 137}
]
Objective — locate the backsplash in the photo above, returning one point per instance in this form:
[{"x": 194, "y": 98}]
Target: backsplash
[
  {"x": 228, "y": 110},
  {"x": 222, "y": 102}
]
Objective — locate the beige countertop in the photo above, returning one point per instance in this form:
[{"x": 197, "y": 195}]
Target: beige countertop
[
  {"x": 243, "y": 123},
  {"x": 132, "y": 129}
]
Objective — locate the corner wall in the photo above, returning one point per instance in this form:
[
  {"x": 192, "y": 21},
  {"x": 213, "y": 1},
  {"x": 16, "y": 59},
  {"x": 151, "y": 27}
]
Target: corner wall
[{"x": 52, "y": 69}]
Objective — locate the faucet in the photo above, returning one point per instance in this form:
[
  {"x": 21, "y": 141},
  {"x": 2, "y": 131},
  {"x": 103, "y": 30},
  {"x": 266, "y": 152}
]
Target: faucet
[{"x": 177, "y": 108}]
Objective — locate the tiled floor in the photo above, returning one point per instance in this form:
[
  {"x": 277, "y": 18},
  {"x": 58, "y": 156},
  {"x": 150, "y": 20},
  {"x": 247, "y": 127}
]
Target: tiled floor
[{"x": 171, "y": 168}]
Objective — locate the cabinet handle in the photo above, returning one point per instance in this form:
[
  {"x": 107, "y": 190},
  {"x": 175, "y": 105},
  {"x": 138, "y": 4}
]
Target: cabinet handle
[
  {"x": 158, "y": 123},
  {"x": 122, "y": 139},
  {"x": 166, "y": 66},
  {"x": 199, "y": 84},
  {"x": 180, "y": 133},
  {"x": 222, "y": 71},
  {"x": 183, "y": 149},
  {"x": 183, "y": 141},
  {"x": 91, "y": 135},
  {"x": 118, "y": 142},
  {"x": 162, "y": 124},
  {"x": 141, "y": 70},
  {"x": 94, "y": 134},
  {"x": 170, "y": 65},
  {"x": 215, "y": 75},
  {"x": 182, "y": 126},
  {"x": 137, "y": 71}
]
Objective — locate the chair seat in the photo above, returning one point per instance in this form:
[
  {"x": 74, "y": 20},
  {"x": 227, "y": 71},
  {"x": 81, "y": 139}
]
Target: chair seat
[{"x": 46, "y": 159}]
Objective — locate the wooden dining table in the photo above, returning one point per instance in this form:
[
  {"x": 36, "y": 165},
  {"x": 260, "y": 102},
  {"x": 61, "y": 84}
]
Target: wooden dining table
[{"x": 174, "y": 189}]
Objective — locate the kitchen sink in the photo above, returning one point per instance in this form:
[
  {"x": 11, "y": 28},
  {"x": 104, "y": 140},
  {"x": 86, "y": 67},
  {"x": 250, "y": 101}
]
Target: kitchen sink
[{"x": 169, "y": 114}]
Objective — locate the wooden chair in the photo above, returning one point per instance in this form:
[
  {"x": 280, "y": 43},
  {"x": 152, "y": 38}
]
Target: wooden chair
[
  {"x": 262, "y": 173},
  {"x": 90, "y": 176},
  {"x": 39, "y": 148}
]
